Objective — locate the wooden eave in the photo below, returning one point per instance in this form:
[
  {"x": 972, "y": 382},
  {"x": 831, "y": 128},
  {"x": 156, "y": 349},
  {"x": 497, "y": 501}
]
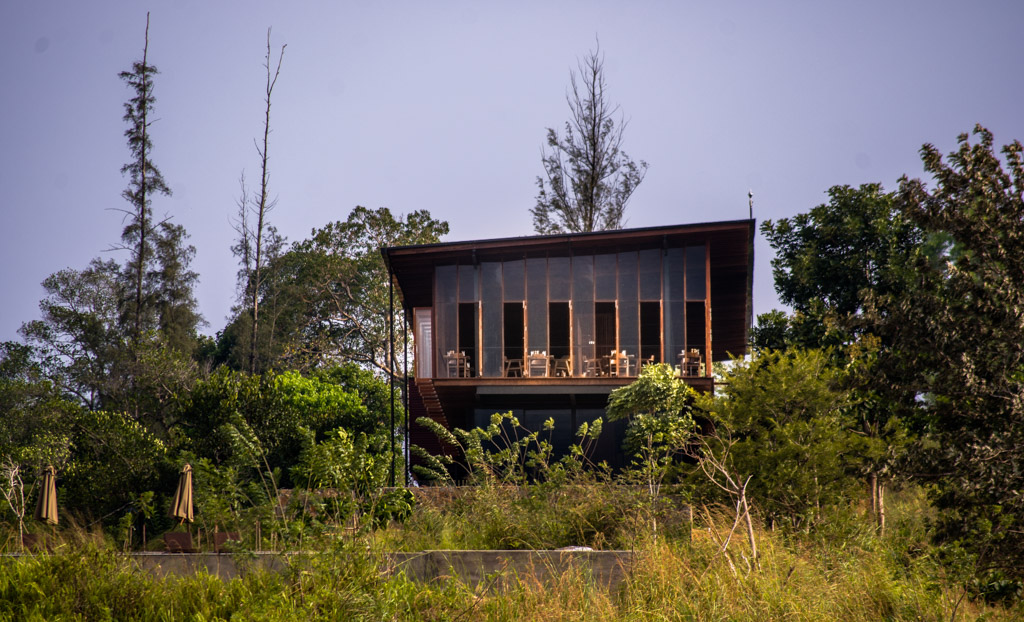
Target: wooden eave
[{"x": 732, "y": 264}]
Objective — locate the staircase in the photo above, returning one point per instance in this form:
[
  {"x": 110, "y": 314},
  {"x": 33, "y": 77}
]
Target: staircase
[{"x": 423, "y": 402}]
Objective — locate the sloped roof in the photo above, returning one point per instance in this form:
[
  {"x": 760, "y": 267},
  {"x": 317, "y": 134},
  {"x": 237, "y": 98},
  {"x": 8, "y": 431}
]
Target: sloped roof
[{"x": 732, "y": 264}]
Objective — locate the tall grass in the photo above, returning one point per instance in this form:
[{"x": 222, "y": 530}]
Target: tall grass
[{"x": 843, "y": 572}]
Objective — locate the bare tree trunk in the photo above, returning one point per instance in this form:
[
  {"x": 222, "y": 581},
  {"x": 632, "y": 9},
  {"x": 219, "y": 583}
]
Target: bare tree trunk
[
  {"x": 141, "y": 209},
  {"x": 881, "y": 509},
  {"x": 263, "y": 208},
  {"x": 750, "y": 525},
  {"x": 873, "y": 485}
]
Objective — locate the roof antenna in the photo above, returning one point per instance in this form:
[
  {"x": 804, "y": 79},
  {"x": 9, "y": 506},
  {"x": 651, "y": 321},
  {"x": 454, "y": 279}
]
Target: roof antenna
[{"x": 750, "y": 199}]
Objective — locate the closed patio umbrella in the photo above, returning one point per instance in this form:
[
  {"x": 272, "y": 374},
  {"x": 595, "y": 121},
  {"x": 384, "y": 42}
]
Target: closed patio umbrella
[
  {"x": 182, "y": 506},
  {"x": 46, "y": 507}
]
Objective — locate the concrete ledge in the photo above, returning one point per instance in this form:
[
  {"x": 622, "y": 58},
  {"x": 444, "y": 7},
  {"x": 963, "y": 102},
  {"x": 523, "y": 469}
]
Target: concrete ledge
[
  {"x": 605, "y": 568},
  {"x": 222, "y": 565}
]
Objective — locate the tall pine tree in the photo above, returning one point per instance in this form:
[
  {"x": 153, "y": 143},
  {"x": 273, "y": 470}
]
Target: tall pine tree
[{"x": 161, "y": 284}]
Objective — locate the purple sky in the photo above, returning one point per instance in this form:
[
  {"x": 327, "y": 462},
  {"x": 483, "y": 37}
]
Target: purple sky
[{"x": 443, "y": 106}]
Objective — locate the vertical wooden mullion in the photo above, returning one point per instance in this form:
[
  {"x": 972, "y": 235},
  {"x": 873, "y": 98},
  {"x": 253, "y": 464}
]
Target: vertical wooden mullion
[
  {"x": 661, "y": 320},
  {"x": 479, "y": 330},
  {"x": 433, "y": 332},
  {"x": 707, "y": 306}
]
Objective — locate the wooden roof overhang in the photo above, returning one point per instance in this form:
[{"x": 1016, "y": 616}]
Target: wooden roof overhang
[{"x": 732, "y": 264}]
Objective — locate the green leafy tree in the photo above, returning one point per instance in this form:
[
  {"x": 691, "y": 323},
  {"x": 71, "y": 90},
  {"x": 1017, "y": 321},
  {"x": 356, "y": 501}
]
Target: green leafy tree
[
  {"x": 588, "y": 179},
  {"x": 658, "y": 407},
  {"x": 783, "y": 422},
  {"x": 79, "y": 342},
  {"x": 333, "y": 291},
  {"x": 830, "y": 262},
  {"x": 957, "y": 333},
  {"x": 176, "y": 308},
  {"x": 278, "y": 407}
]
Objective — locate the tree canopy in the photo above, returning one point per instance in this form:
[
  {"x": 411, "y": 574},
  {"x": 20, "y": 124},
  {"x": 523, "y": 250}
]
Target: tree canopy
[
  {"x": 956, "y": 333},
  {"x": 588, "y": 179}
]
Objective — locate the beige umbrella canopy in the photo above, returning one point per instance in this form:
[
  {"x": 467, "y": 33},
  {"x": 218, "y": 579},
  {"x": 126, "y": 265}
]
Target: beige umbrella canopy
[
  {"x": 182, "y": 506},
  {"x": 46, "y": 508}
]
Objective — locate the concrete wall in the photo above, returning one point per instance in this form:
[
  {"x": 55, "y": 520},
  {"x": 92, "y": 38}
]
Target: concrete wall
[
  {"x": 501, "y": 568},
  {"x": 491, "y": 568}
]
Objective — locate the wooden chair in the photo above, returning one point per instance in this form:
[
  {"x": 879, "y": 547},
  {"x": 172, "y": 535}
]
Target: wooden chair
[
  {"x": 591, "y": 367},
  {"x": 513, "y": 367},
  {"x": 221, "y": 538},
  {"x": 537, "y": 365},
  {"x": 452, "y": 363},
  {"x": 562, "y": 368},
  {"x": 178, "y": 542}
]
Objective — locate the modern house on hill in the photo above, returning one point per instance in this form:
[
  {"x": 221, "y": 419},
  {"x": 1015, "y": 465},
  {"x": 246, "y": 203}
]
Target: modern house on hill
[{"x": 548, "y": 326}]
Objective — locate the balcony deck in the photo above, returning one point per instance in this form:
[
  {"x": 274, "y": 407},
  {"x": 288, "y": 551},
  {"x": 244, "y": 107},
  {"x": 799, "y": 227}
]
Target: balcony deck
[{"x": 550, "y": 384}]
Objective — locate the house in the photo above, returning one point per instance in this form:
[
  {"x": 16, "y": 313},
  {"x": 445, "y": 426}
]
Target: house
[{"x": 548, "y": 326}]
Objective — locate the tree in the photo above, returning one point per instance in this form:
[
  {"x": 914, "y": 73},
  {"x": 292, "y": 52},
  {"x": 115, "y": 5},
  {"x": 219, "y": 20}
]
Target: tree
[
  {"x": 658, "y": 407},
  {"x": 830, "y": 259},
  {"x": 782, "y": 422},
  {"x": 79, "y": 342},
  {"x": 176, "y": 309},
  {"x": 145, "y": 180},
  {"x": 333, "y": 290},
  {"x": 253, "y": 242},
  {"x": 588, "y": 179},
  {"x": 830, "y": 262},
  {"x": 956, "y": 333}
]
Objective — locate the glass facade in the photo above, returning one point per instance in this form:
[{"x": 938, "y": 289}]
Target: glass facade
[
  {"x": 582, "y": 308},
  {"x": 491, "y": 320},
  {"x": 537, "y": 304},
  {"x": 651, "y": 303}
]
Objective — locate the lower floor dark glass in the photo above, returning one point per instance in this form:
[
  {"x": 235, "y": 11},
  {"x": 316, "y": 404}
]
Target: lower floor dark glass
[{"x": 568, "y": 413}]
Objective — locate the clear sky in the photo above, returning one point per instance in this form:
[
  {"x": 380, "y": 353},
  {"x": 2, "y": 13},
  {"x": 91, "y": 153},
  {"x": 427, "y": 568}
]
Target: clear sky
[{"x": 443, "y": 106}]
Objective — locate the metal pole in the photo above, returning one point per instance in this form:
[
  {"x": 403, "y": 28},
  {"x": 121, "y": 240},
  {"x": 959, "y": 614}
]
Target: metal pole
[
  {"x": 391, "y": 364},
  {"x": 405, "y": 386}
]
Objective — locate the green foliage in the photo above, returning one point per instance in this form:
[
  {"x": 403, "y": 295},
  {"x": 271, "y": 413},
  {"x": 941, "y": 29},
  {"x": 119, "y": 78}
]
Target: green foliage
[
  {"x": 279, "y": 407},
  {"x": 784, "y": 419},
  {"x": 111, "y": 456},
  {"x": 504, "y": 452},
  {"x": 330, "y": 292},
  {"x": 657, "y": 391},
  {"x": 956, "y": 333},
  {"x": 830, "y": 259},
  {"x": 79, "y": 343},
  {"x": 352, "y": 469},
  {"x": 830, "y": 264}
]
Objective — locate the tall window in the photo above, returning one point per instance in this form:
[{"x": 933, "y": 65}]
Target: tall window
[
  {"x": 604, "y": 328},
  {"x": 558, "y": 329},
  {"x": 514, "y": 330},
  {"x": 467, "y": 335},
  {"x": 650, "y": 330}
]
